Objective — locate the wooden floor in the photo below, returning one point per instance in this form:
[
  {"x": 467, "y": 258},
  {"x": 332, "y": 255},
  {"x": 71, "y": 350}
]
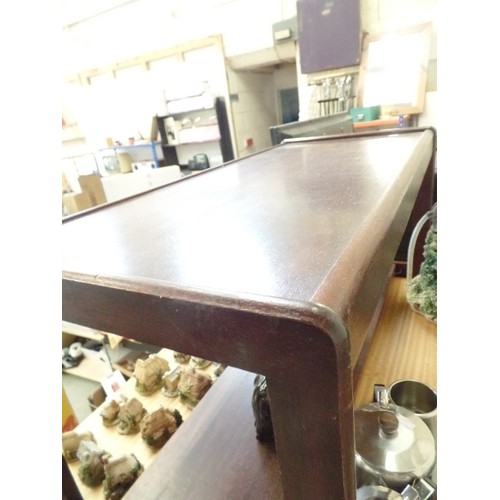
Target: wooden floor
[{"x": 404, "y": 346}]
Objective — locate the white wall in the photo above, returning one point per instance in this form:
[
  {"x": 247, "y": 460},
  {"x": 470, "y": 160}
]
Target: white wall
[
  {"x": 142, "y": 26},
  {"x": 127, "y": 29},
  {"x": 254, "y": 104},
  {"x": 135, "y": 27}
]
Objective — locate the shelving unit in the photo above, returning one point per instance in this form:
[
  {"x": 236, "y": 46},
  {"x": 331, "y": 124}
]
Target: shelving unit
[
  {"x": 193, "y": 130},
  {"x": 148, "y": 151},
  {"x": 266, "y": 272}
]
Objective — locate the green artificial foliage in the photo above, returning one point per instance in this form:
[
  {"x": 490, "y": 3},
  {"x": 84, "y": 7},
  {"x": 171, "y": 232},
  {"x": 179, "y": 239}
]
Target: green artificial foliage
[{"x": 422, "y": 289}]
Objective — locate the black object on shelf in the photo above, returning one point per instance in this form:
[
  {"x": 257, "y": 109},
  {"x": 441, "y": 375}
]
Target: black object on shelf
[
  {"x": 169, "y": 147},
  {"x": 226, "y": 144},
  {"x": 199, "y": 162},
  {"x": 262, "y": 411}
]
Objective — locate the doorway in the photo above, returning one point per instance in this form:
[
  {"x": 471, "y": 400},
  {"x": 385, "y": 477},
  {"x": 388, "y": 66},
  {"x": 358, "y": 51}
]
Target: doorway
[{"x": 289, "y": 104}]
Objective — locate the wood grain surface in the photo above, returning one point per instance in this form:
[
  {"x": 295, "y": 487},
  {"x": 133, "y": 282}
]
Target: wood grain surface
[{"x": 404, "y": 346}]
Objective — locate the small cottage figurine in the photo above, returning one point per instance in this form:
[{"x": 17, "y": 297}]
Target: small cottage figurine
[
  {"x": 181, "y": 358},
  {"x": 110, "y": 412},
  {"x": 130, "y": 416},
  {"x": 120, "y": 475},
  {"x": 193, "y": 385},
  {"x": 158, "y": 426},
  {"x": 148, "y": 374},
  {"x": 91, "y": 470},
  {"x": 71, "y": 441},
  {"x": 170, "y": 382}
]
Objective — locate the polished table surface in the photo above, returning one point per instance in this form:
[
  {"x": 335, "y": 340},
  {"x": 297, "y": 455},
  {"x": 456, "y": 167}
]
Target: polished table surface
[{"x": 275, "y": 264}]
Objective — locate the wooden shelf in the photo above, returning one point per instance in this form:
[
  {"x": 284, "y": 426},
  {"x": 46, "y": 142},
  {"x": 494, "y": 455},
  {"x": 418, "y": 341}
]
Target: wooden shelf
[
  {"x": 404, "y": 346},
  {"x": 232, "y": 463},
  {"x": 91, "y": 368},
  {"x": 383, "y": 123},
  {"x": 289, "y": 286}
]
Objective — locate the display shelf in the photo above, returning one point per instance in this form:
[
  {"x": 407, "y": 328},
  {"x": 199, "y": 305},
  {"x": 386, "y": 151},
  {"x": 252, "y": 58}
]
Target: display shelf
[
  {"x": 109, "y": 439},
  {"x": 267, "y": 272},
  {"x": 151, "y": 148},
  {"x": 384, "y": 123},
  {"x": 182, "y": 130}
]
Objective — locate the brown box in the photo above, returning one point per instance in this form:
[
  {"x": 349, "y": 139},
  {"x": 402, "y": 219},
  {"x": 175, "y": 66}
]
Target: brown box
[
  {"x": 92, "y": 185},
  {"x": 74, "y": 202}
]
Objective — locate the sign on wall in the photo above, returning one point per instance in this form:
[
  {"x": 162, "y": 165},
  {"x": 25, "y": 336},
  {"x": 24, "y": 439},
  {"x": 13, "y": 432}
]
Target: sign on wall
[{"x": 329, "y": 34}]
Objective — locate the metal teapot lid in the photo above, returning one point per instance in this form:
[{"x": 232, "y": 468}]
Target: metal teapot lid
[{"x": 392, "y": 439}]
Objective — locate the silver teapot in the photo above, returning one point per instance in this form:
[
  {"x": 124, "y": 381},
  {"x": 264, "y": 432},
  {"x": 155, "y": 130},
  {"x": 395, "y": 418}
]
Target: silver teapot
[{"x": 392, "y": 443}]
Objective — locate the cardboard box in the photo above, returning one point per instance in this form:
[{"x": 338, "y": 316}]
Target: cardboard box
[
  {"x": 92, "y": 185},
  {"x": 75, "y": 202}
]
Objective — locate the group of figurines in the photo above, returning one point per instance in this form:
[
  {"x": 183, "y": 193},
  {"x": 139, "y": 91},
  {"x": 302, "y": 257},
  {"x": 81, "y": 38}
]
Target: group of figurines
[
  {"x": 186, "y": 380},
  {"x": 97, "y": 466},
  {"x": 117, "y": 475},
  {"x": 129, "y": 415}
]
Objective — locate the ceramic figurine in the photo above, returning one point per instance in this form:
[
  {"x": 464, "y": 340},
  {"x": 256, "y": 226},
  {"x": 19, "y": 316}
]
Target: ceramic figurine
[
  {"x": 158, "y": 426},
  {"x": 193, "y": 385},
  {"x": 130, "y": 416},
  {"x": 71, "y": 441},
  {"x": 110, "y": 412},
  {"x": 148, "y": 374},
  {"x": 91, "y": 470},
  {"x": 261, "y": 410},
  {"x": 181, "y": 358},
  {"x": 170, "y": 383},
  {"x": 120, "y": 475}
]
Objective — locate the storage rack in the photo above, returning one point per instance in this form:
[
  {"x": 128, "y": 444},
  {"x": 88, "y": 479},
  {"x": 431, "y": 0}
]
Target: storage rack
[
  {"x": 218, "y": 138},
  {"x": 150, "y": 147}
]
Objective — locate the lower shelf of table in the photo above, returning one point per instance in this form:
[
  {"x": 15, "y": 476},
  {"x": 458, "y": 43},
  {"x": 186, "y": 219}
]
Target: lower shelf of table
[{"x": 215, "y": 454}]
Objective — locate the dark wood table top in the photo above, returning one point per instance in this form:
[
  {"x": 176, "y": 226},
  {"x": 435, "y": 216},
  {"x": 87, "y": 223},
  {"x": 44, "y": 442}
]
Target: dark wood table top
[{"x": 272, "y": 228}]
